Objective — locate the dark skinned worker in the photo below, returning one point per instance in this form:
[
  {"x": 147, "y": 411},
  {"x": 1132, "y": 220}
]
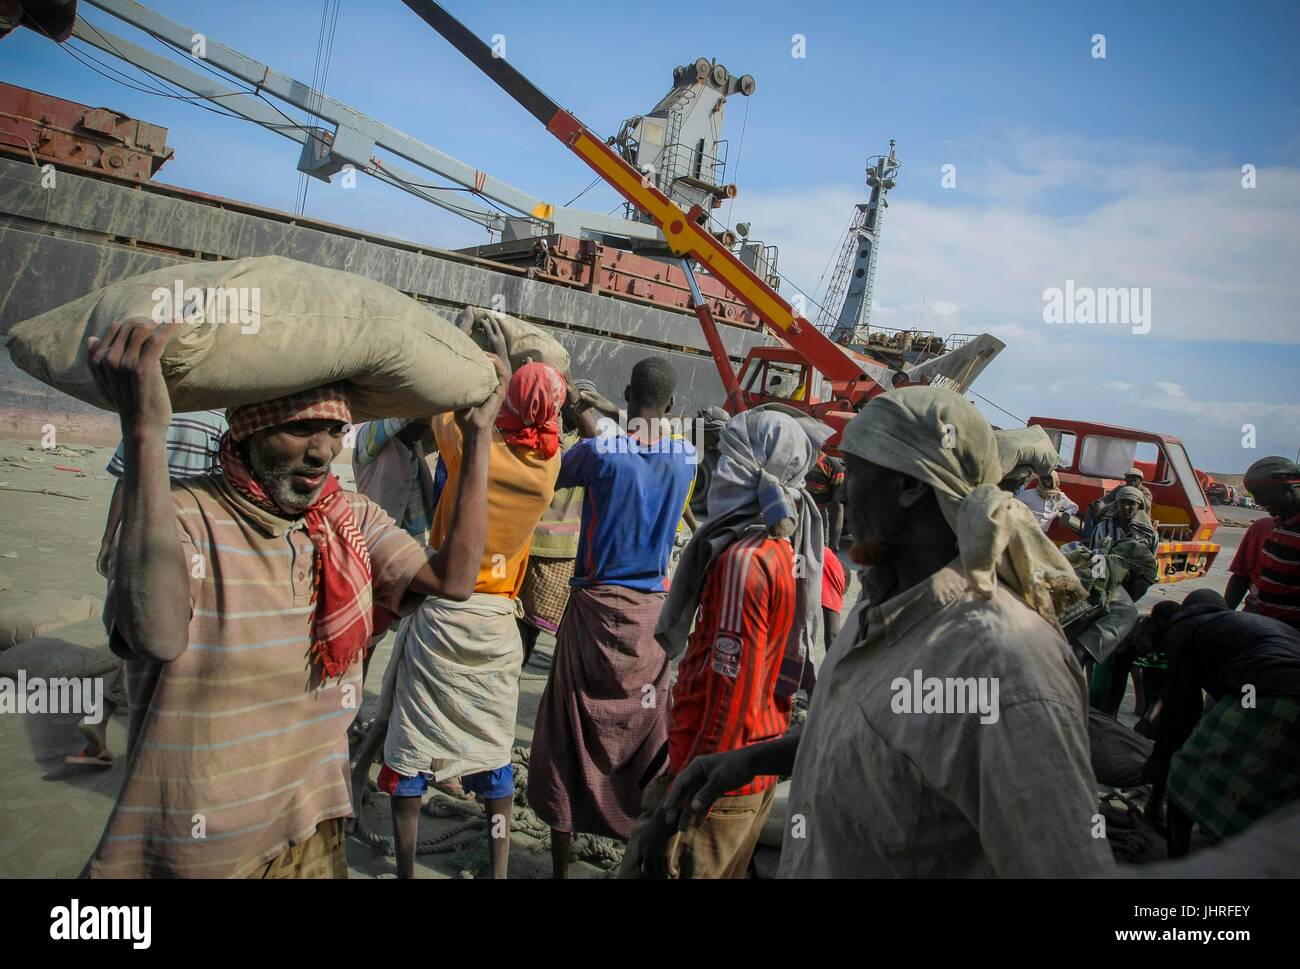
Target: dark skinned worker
[
  {"x": 750, "y": 584},
  {"x": 962, "y": 585},
  {"x": 242, "y": 603},
  {"x": 1225, "y": 766},
  {"x": 602, "y": 721},
  {"x": 1266, "y": 568}
]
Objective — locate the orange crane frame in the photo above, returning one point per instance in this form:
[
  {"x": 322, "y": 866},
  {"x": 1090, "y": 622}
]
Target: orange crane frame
[{"x": 685, "y": 232}]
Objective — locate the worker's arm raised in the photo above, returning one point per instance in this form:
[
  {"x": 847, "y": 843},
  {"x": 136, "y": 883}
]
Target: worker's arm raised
[
  {"x": 453, "y": 572},
  {"x": 150, "y": 591}
]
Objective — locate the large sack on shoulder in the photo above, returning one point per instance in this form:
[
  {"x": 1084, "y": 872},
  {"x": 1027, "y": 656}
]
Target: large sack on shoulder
[
  {"x": 524, "y": 341},
  {"x": 1026, "y": 446},
  {"x": 259, "y": 328},
  {"x": 27, "y": 614},
  {"x": 77, "y": 650}
]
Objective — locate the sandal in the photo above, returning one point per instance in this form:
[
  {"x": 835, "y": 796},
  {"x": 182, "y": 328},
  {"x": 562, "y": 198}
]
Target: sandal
[{"x": 87, "y": 759}]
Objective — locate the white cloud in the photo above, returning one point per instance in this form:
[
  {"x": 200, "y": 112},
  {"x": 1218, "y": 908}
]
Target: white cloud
[{"x": 1218, "y": 258}]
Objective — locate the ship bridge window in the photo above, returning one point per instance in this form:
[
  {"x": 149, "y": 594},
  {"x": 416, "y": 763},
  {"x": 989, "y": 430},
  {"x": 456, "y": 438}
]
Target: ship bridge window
[{"x": 1102, "y": 456}]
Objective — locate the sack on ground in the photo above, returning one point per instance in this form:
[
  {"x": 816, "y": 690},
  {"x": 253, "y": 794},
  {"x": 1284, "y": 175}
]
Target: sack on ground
[
  {"x": 27, "y": 614},
  {"x": 1117, "y": 753},
  {"x": 524, "y": 341},
  {"x": 259, "y": 328},
  {"x": 71, "y": 651}
]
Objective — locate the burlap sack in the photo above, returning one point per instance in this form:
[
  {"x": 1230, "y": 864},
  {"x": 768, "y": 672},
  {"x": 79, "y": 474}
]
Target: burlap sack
[
  {"x": 1117, "y": 753},
  {"x": 1026, "y": 446},
  {"x": 27, "y": 614},
  {"x": 77, "y": 650},
  {"x": 255, "y": 329},
  {"x": 524, "y": 341}
]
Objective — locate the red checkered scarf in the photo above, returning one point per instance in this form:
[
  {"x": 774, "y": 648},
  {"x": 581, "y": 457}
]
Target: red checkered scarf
[
  {"x": 530, "y": 413},
  {"x": 343, "y": 622}
]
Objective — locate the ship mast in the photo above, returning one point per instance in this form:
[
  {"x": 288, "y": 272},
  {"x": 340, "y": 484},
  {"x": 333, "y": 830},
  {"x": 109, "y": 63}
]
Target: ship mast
[{"x": 855, "y": 273}]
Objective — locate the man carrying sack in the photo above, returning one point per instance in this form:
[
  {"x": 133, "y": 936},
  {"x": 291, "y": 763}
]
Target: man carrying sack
[
  {"x": 242, "y": 603},
  {"x": 454, "y": 674}
]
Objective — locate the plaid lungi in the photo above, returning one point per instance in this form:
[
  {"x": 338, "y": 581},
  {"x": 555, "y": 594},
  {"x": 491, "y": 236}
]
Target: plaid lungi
[
  {"x": 602, "y": 726},
  {"x": 1239, "y": 764},
  {"x": 545, "y": 591}
]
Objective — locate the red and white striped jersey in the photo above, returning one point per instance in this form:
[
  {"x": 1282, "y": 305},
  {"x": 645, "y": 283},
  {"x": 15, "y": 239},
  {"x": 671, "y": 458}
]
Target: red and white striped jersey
[{"x": 724, "y": 697}]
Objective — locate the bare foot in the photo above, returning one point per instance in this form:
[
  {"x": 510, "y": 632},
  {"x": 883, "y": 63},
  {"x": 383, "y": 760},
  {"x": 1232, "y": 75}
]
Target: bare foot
[{"x": 96, "y": 735}]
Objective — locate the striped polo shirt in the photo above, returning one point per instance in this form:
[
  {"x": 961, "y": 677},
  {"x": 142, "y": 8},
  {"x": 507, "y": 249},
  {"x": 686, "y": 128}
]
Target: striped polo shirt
[
  {"x": 193, "y": 443},
  {"x": 237, "y": 749},
  {"x": 1269, "y": 556},
  {"x": 724, "y": 698}
]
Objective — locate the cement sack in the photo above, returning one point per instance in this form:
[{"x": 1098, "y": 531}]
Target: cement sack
[
  {"x": 27, "y": 614},
  {"x": 524, "y": 341},
  {"x": 1026, "y": 445},
  {"x": 1118, "y": 754},
  {"x": 77, "y": 650},
  {"x": 259, "y": 328}
]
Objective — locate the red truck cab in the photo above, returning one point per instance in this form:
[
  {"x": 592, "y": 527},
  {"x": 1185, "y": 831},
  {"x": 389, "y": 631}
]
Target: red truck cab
[{"x": 1094, "y": 458}]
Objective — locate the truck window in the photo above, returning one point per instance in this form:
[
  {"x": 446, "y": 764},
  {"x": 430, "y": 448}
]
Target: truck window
[
  {"x": 1109, "y": 457},
  {"x": 1186, "y": 476},
  {"x": 1064, "y": 442}
]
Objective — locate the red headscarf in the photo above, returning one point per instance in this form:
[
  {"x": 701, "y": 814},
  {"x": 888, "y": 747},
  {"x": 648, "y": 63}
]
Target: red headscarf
[
  {"x": 343, "y": 623},
  {"x": 529, "y": 415}
]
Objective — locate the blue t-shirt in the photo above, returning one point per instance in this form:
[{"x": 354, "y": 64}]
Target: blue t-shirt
[{"x": 635, "y": 497}]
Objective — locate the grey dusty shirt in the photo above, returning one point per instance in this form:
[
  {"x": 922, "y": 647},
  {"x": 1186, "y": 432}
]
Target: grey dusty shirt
[{"x": 877, "y": 792}]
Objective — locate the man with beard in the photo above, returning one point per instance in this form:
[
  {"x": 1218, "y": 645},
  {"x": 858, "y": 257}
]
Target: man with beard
[
  {"x": 963, "y": 587},
  {"x": 242, "y": 603}
]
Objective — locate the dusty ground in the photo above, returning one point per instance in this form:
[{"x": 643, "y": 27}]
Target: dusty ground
[{"x": 51, "y": 815}]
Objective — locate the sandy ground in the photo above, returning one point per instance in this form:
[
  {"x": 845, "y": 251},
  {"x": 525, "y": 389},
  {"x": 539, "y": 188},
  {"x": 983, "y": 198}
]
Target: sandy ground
[{"x": 51, "y": 815}]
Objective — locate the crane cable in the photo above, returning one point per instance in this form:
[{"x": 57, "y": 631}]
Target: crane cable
[{"x": 320, "y": 75}]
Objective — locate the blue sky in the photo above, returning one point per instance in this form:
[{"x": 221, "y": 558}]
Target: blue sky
[{"x": 1116, "y": 172}]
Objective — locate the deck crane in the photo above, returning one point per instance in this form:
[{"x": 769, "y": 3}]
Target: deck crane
[
  {"x": 807, "y": 353},
  {"x": 854, "y": 282}
]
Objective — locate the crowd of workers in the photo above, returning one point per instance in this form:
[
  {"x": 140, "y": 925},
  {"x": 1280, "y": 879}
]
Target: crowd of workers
[{"x": 248, "y": 591}]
